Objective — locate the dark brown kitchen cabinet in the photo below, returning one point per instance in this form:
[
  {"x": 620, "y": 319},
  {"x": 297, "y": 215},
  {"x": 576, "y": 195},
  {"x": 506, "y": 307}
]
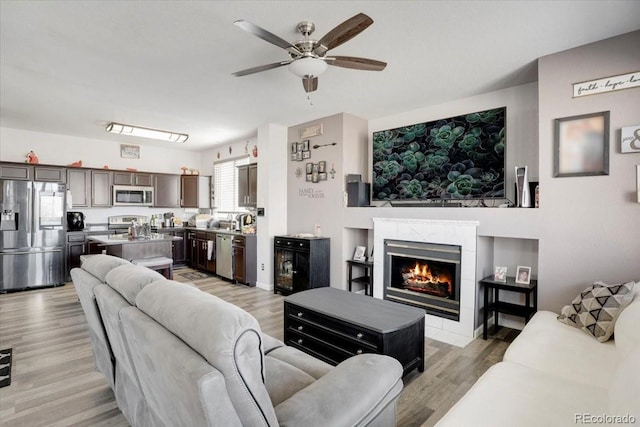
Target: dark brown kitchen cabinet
[
  {"x": 248, "y": 185},
  {"x": 198, "y": 244},
  {"x": 76, "y": 247},
  {"x": 101, "y": 188},
  {"x": 167, "y": 191},
  {"x": 16, "y": 171},
  {"x": 140, "y": 179},
  {"x": 195, "y": 191},
  {"x": 50, "y": 174},
  {"x": 300, "y": 263},
  {"x": 244, "y": 259},
  {"x": 178, "y": 247},
  {"x": 79, "y": 184},
  {"x": 89, "y": 188}
]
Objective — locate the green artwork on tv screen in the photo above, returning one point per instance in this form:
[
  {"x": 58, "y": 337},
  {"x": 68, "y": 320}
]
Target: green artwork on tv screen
[{"x": 457, "y": 158}]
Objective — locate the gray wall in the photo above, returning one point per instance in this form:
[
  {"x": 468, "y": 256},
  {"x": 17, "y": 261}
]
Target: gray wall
[
  {"x": 587, "y": 228},
  {"x": 592, "y": 224}
]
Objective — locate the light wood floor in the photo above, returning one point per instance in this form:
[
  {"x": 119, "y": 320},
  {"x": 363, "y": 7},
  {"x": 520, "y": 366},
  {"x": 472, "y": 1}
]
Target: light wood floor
[{"x": 54, "y": 382}]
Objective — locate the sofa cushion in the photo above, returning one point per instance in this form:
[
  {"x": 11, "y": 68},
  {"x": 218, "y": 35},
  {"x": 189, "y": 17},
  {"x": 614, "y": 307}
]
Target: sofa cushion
[
  {"x": 624, "y": 390},
  {"x": 85, "y": 285},
  {"x": 129, "y": 279},
  {"x": 553, "y": 347},
  {"x": 284, "y": 380},
  {"x": 627, "y": 332},
  {"x": 596, "y": 309},
  {"x": 510, "y": 394},
  {"x": 294, "y": 357},
  {"x": 100, "y": 265}
]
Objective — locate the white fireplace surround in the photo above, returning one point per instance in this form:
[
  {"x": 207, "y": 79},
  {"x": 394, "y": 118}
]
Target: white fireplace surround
[{"x": 462, "y": 233}]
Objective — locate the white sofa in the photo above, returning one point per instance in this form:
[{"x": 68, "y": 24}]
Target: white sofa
[{"x": 556, "y": 375}]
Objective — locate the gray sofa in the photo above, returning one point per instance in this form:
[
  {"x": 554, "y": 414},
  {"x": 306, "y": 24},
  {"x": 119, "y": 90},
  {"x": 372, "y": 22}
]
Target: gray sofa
[{"x": 177, "y": 356}]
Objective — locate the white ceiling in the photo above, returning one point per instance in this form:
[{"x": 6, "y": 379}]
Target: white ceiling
[{"x": 70, "y": 67}]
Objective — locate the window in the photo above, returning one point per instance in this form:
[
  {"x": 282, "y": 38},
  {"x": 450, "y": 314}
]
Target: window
[{"x": 225, "y": 175}]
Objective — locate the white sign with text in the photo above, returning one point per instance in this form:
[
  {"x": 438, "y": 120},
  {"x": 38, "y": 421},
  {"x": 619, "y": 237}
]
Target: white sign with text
[{"x": 607, "y": 84}]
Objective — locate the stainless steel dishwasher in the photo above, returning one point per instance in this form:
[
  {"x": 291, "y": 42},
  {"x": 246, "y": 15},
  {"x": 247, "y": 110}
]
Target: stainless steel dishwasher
[{"x": 224, "y": 259}]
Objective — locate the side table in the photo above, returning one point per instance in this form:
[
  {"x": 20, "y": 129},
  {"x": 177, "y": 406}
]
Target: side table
[
  {"x": 366, "y": 280},
  {"x": 527, "y": 310}
]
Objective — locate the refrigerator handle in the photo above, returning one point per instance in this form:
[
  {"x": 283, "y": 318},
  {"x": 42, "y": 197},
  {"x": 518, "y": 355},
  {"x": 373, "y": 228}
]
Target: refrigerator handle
[{"x": 29, "y": 218}]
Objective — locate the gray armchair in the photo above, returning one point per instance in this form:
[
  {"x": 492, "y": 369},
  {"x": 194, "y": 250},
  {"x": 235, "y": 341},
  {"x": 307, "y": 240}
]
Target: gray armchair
[{"x": 201, "y": 361}]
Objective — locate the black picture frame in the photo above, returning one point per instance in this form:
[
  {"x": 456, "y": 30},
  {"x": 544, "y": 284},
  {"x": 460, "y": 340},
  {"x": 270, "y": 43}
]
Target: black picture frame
[{"x": 581, "y": 145}]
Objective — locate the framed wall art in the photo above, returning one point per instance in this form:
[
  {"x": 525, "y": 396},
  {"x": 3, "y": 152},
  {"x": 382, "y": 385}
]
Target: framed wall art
[
  {"x": 630, "y": 139},
  {"x": 581, "y": 145},
  {"x": 129, "y": 151}
]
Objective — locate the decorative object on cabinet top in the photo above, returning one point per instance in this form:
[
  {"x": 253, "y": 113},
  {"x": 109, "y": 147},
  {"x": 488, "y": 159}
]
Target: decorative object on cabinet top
[{"x": 32, "y": 158}]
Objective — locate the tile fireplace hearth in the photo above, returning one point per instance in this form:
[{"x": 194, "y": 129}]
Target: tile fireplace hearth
[{"x": 430, "y": 264}]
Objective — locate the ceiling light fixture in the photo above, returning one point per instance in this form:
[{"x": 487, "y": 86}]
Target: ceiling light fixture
[
  {"x": 308, "y": 67},
  {"x": 162, "y": 135}
]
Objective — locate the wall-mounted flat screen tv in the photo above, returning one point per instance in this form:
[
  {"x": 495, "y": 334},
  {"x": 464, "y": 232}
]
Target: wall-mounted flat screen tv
[{"x": 458, "y": 158}]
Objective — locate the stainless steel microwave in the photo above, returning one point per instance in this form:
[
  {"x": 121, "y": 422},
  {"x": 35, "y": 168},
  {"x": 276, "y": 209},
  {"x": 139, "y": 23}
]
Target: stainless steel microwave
[{"x": 127, "y": 195}]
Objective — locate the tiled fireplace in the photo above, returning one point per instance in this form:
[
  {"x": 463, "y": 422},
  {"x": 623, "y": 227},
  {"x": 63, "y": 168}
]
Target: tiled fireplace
[{"x": 431, "y": 265}]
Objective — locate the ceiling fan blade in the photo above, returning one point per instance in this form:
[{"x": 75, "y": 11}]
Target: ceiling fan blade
[
  {"x": 260, "y": 68},
  {"x": 343, "y": 33},
  {"x": 265, "y": 35},
  {"x": 310, "y": 84},
  {"x": 356, "y": 63}
]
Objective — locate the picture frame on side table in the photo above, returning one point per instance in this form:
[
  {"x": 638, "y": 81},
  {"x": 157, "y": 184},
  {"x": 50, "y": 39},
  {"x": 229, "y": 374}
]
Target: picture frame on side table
[
  {"x": 523, "y": 275},
  {"x": 581, "y": 145},
  {"x": 360, "y": 254},
  {"x": 500, "y": 274}
]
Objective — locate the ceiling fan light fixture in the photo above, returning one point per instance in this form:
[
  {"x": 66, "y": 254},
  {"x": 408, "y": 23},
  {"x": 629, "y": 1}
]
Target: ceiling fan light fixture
[
  {"x": 308, "y": 67},
  {"x": 162, "y": 135}
]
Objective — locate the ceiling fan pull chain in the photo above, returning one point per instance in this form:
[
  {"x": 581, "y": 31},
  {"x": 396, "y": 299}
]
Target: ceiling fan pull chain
[{"x": 309, "y": 99}]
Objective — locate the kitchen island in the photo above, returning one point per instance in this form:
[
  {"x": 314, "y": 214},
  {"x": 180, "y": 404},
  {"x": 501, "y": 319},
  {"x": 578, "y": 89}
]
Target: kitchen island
[{"x": 123, "y": 246}]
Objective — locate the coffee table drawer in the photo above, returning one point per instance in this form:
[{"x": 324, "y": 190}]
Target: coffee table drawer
[{"x": 318, "y": 323}]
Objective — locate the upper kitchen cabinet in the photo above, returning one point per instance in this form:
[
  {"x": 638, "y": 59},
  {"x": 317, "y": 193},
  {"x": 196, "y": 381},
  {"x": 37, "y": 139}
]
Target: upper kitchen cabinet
[
  {"x": 89, "y": 188},
  {"x": 248, "y": 185},
  {"x": 139, "y": 179},
  {"x": 101, "y": 181},
  {"x": 79, "y": 184},
  {"x": 195, "y": 191},
  {"x": 50, "y": 174},
  {"x": 167, "y": 191},
  {"x": 16, "y": 171}
]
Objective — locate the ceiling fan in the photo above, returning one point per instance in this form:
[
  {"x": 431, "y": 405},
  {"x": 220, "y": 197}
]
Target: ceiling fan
[{"x": 308, "y": 57}]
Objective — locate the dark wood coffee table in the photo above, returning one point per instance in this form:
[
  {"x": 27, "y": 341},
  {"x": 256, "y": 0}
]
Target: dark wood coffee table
[{"x": 333, "y": 325}]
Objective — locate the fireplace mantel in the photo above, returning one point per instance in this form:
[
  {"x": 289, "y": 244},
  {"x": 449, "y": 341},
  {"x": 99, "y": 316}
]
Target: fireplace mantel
[{"x": 462, "y": 233}]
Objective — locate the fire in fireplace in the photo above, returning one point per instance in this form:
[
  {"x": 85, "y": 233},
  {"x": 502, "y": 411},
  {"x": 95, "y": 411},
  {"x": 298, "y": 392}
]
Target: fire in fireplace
[
  {"x": 424, "y": 275},
  {"x": 428, "y": 279}
]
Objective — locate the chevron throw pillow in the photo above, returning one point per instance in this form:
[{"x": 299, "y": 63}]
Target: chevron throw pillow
[{"x": 596, "y": 309}]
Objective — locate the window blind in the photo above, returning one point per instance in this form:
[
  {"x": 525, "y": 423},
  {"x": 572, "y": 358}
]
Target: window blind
[{"x": 225, "y": 175}]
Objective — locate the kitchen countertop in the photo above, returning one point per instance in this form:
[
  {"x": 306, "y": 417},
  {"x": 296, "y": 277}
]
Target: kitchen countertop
[
  {"x": 221, "y": 231},
  {"x": 120, "y": 239}
]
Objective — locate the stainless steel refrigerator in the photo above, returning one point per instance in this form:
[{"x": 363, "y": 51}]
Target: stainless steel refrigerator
[{"x": 32, "y": 234}]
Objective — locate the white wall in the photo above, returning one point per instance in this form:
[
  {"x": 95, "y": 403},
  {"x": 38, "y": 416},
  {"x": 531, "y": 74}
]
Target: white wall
[
  {"x": 62, "y": 150},
  {"x": 272, "y": 196}
]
